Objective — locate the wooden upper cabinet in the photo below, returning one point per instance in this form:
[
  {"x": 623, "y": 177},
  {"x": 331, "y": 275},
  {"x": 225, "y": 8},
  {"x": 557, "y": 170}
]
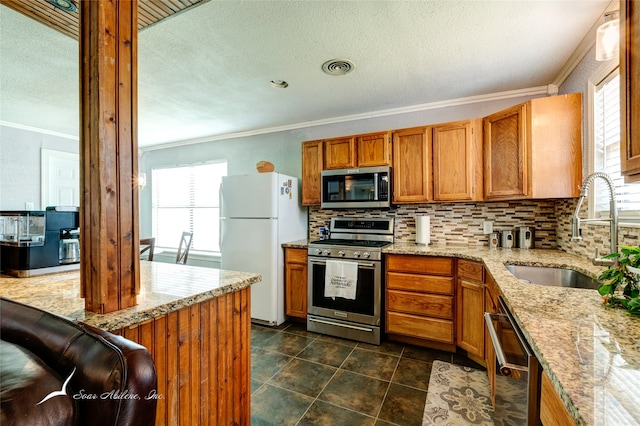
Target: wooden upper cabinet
[
  {"x": 311, "y": 170},
  {"x": 457, "y": 161},
  {"x": 630, "y": 89},
  {"x": 339, "y": 153},
  {"x": 534, "y": 150},
  {"x": 374, "y": 149},
  {"x": 505, "y": 155},
  {"x": 412, "y": 166}
]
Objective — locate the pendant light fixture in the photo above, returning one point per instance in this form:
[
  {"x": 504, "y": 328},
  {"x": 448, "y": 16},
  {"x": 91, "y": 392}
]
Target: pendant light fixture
[{"x": 608, "y": 37}]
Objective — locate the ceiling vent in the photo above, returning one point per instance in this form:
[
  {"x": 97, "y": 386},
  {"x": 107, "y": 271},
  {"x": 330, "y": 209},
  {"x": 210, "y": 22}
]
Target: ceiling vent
[{"x": 338, "y": 67}]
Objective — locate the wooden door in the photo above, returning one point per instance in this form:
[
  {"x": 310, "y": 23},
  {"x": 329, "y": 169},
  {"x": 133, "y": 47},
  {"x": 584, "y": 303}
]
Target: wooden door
[
  {"x": 457, "y": 162},
  {"x": 470, "y": 325},
  {"x": 374, "y": 150},
  {"x": 339, "y": 153},
  {"x": 296, "y": 282},
  {"x": 553, "y": 411},
  {"x": 630, "y": 89},
  {"x": 505, "y": 154},
  {"x": 411, "y": 166},
  {"x": 311, "y": 170},
  {"x": 60, "y": 178}
]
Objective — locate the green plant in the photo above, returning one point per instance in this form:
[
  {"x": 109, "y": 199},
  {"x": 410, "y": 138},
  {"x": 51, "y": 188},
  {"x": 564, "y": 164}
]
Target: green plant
[{"x": 619, "y": 280}]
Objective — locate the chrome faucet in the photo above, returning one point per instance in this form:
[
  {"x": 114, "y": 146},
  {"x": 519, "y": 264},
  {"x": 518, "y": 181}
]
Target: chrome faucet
[{"x": 613, "y": 216}]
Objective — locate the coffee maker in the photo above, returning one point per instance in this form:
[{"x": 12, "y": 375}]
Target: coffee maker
[{"x": 39, "y": 242}]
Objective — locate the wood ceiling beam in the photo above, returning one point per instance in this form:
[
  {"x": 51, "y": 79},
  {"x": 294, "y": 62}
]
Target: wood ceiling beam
[{"x": 150, "y": 12}]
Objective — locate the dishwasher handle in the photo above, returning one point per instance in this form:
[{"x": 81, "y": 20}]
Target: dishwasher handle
[{"x": 506, "y": 368}]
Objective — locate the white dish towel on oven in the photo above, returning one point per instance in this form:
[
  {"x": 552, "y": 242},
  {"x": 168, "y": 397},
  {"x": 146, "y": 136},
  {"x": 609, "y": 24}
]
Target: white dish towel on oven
[{"x": 341, "y": 279}]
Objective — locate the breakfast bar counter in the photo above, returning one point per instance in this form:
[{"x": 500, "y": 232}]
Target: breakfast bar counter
[
  {"x": 164, "y": 288},
  {"x": 591, "y": 352},
  {"x": 195, "y": 322}
]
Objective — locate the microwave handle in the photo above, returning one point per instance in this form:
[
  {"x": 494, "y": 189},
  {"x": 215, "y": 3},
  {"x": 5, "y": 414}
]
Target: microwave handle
[{"x": 375, "y": 186}]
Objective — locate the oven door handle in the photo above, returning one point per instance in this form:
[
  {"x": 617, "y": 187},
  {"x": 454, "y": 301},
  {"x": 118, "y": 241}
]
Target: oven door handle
[
  {"x": 506, "y": 368},
  {"x": 324, "y": 262},
  {"x": 340, "y": 325}
]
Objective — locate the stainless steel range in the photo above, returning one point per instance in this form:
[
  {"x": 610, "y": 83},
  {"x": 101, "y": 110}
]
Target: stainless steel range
[{"x": 354, "y": 245}]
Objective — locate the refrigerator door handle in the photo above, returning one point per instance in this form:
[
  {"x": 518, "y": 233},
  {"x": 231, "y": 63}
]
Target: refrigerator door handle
[{"x": 221, "y": 218}]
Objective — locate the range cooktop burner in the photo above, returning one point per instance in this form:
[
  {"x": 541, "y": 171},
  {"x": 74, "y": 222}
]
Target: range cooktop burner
[{"x": 351, "y": 243}]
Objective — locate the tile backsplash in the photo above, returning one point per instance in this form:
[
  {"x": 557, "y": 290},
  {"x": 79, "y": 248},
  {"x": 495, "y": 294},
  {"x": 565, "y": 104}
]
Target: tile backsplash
[
  {"x": 462, "y": 223},
  {"x": 594, "y": 235},
  {"x": 457, "y": 223}
]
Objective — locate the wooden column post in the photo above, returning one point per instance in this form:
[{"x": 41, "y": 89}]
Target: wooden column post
[{"x": 109, "y": 267}]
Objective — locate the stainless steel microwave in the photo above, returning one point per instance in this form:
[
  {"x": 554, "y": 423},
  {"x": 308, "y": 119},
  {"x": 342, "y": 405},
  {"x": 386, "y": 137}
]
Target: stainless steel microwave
[{"x": 358, "y": 188}]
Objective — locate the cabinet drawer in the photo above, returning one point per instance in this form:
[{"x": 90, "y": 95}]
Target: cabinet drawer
[
  {"x": 422, "y": 283},
  {"x": 420, "y": 264},
  {"x": 421, "y": 304},
  {"x": 296, "y": 255},
  {"x": 435, "y": 329},
  {"x": 470, "y": 270}
]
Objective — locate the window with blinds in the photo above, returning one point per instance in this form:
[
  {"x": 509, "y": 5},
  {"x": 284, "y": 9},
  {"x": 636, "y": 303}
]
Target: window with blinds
[
  {"x": 186, "y": 199},
  {"x": 606, "y": 122}
]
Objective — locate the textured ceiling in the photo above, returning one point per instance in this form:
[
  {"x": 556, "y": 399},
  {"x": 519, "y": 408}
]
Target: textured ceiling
[{"x": 206, "y": 72}]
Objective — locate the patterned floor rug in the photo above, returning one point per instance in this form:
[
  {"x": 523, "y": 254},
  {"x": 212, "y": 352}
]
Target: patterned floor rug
[{"x": 457, "y": 396}]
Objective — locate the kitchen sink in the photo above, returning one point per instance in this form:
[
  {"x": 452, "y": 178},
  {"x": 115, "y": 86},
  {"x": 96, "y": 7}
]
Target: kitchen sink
[{"x": 557, "y": 277}]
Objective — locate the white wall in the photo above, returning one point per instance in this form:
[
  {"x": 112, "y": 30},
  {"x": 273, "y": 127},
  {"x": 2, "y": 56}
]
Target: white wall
[{"x": 20, "y": 164}]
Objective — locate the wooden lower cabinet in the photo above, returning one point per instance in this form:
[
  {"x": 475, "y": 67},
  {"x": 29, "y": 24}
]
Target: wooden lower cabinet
[
  {"x": 295, "y": 282},
  {"x": 419, "y": 296},
  {"x": 471, "y": 305},
  {"x": 421, "y": 327},
  {"x": 553, "y": 412},
  {"x": 490, "y": 305}
]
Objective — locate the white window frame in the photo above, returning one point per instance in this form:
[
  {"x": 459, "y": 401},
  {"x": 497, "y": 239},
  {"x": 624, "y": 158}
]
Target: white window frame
[
  {"x": 603, "y": 72},
  {"x": 190, "y": 226}
]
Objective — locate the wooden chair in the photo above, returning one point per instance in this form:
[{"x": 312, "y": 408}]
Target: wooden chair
[
  {"x": 183, "y": 248},
  {"x": 147, "y": 245}
]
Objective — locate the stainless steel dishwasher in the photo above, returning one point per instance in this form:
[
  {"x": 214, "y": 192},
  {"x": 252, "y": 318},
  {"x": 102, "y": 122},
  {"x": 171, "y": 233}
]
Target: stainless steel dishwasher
[{"x": 517, "y": 372}]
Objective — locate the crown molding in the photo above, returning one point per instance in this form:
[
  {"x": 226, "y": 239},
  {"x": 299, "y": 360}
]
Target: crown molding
[
  {"x": 531, "y": 91},
  {"x": 38, "y": 130}
]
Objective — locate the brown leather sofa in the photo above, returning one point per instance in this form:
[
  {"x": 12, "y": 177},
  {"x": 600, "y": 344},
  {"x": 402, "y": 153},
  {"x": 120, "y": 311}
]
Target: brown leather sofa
[{"x": 55, "y": 371}]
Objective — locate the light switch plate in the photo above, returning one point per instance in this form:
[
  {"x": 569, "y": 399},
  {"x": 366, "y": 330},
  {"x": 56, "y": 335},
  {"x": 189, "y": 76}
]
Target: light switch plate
[{"x": 487, "y": 227}]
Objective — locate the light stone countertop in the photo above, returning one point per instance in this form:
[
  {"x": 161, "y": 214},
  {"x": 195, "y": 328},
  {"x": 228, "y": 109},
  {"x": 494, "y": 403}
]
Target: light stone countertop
[
  {"x": 591, "y": 352},
  {"x": 164, "y": 287}
]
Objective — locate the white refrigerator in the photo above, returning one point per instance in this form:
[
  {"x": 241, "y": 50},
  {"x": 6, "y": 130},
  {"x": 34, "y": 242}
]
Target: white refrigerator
[{"x": 260, "y": 212}]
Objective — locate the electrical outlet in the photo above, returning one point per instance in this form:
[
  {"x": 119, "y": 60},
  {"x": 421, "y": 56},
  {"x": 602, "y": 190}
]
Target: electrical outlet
[{"x": 487, "y": 227}]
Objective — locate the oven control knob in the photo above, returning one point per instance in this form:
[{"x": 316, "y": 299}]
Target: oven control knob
[
  {"x": 326, "y": 252},
  {"x": 356, "y": 254},
  {"x": 366, "y": 254},
  {"x": 341, "y": 253},
  {"x": 318, "y": 252}
]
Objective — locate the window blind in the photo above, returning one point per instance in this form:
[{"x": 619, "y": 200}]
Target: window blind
[
  {"x": 186, "y": 199},
  {"x": 607, "y": 151}
]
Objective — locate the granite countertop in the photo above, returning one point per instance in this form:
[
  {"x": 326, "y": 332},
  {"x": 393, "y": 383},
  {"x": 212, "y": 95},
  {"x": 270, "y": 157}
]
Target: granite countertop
[
  {"x": 591, "y": 352},
  {"x": 297, "y": 244},
  {"x": 164, "y": 287}
]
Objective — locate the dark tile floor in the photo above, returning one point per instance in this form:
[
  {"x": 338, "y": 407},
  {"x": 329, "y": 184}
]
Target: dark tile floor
[{"x": 303, "y": 378}]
